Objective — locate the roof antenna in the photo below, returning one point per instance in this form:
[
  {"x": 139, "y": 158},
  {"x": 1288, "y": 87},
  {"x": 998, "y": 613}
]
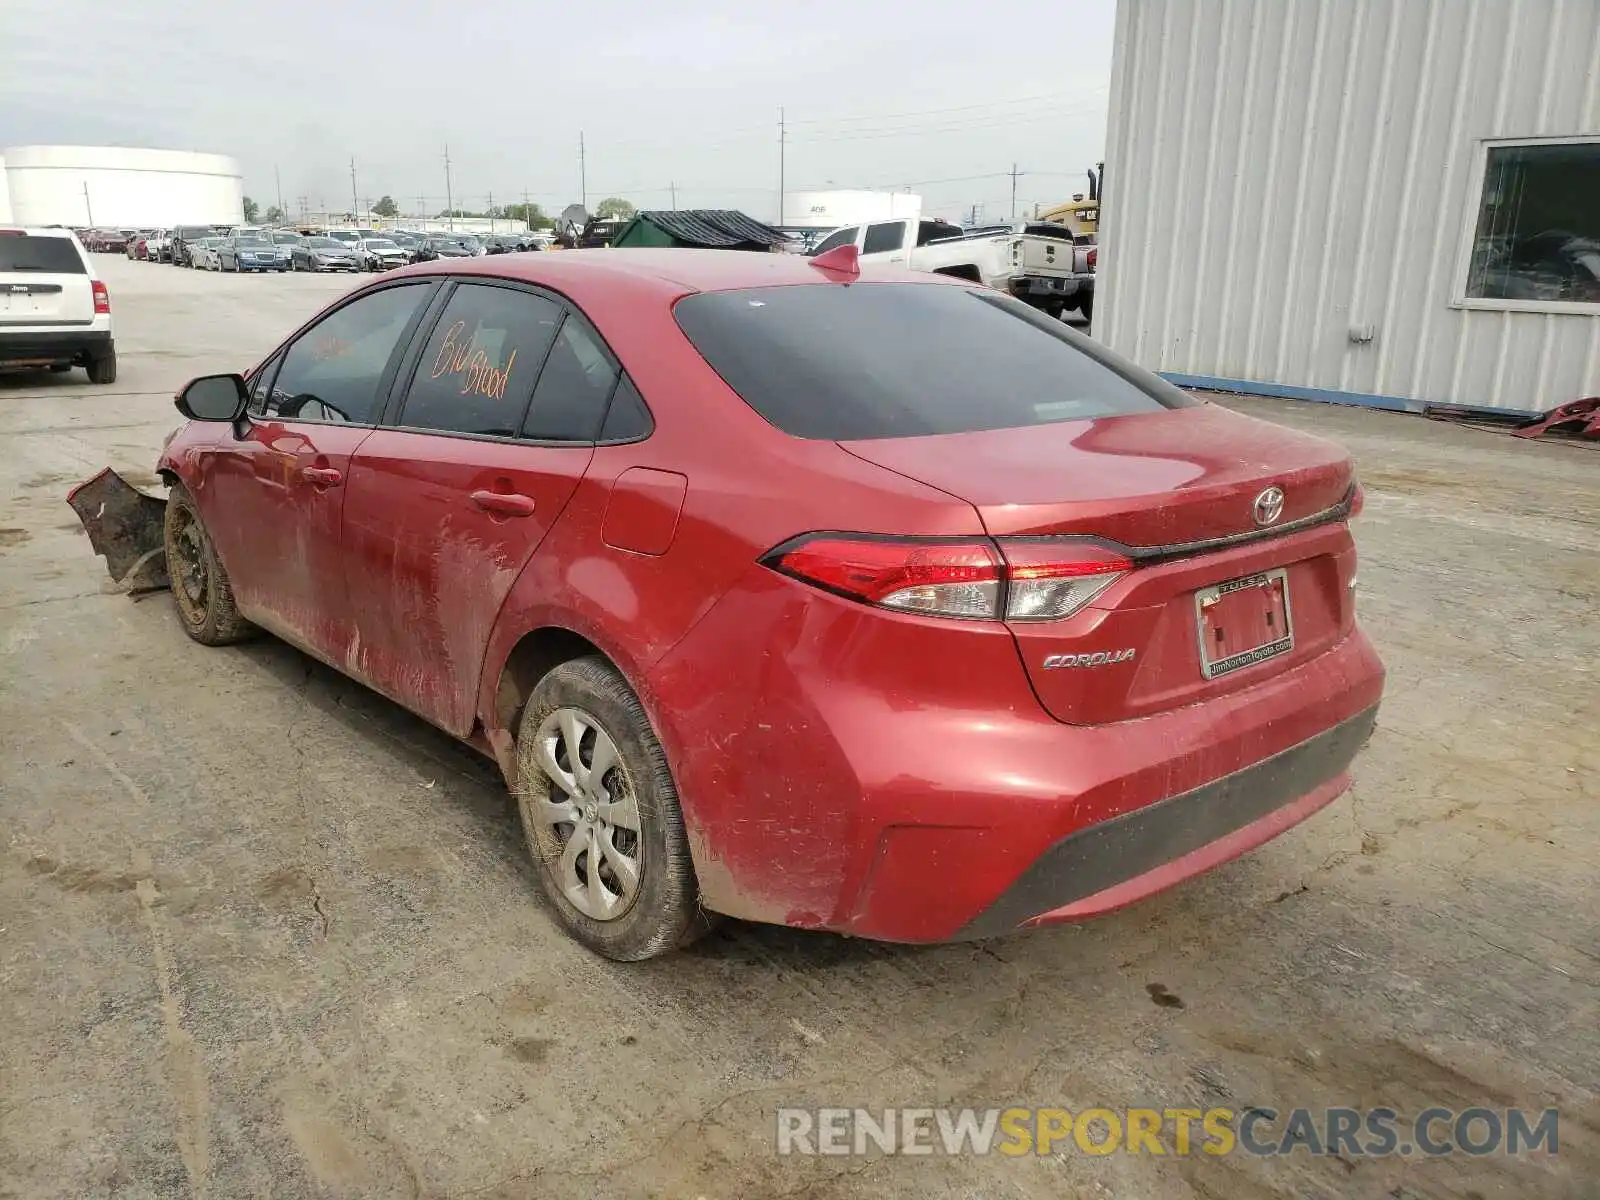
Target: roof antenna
[{"x": 841, "y": 260}]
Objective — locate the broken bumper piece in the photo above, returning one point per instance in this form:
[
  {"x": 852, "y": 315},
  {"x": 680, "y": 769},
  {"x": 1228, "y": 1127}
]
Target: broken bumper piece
[{"x": 125, "y": 528}]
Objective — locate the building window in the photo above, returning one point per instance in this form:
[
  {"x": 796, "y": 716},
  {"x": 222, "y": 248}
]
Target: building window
[{"x": 1537, "y": 239}]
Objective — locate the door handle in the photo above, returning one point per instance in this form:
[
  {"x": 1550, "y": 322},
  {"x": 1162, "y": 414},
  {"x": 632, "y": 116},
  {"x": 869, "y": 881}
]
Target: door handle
[
  {"x": 511, "y": 504},
  {"x": 322, "y": 476}
]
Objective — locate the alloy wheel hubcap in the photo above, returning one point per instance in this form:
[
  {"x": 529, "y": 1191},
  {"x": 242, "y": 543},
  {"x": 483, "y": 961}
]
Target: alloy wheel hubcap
[{"x": 590, "y": 814}]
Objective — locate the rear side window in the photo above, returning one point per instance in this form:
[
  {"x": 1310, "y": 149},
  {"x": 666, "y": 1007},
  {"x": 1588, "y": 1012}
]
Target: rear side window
[
  {"x": 877, "y": 360},
  {"x": 627, "y": 419},
  {"x": 574, "y": 387},
  {"x": 51, "y": 255},
  {"x": 478, "y": 367}
]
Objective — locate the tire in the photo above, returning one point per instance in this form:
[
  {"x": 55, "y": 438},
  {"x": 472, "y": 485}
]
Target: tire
[
  {"x": 1087, "y": 308},
  {"x": 661, "y": 912},
  {"x": 103, "y": 369},
  {"x": 201, "y": 591}
]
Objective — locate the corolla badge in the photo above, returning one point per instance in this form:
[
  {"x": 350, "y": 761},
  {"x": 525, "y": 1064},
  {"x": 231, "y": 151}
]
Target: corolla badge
[
  {"x": 1100, "y": 658},
  {"x": 1269, "y": 506}
]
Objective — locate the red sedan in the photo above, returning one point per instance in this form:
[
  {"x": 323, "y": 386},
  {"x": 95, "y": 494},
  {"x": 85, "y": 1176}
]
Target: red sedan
[{"x": 886, "y": 606}]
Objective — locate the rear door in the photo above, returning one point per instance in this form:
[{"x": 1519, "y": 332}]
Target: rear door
[
  {"x": 44, "y": 282},
  {"x": 447, "y": 506},
  {"x": 272, "y": 492}
]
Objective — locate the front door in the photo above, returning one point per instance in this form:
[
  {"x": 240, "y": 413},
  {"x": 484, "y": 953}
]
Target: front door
[
  {"x": 273, "y": 489},
  {"x": 445, "y": 509}
]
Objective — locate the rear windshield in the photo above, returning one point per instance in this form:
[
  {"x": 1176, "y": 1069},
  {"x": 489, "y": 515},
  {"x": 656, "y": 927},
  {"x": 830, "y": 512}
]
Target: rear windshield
[
  {"x": 54, "y": 255},
  {"x": 877, "y": 360}
]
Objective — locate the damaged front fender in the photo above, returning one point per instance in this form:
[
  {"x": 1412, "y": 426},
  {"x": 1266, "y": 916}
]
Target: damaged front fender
[{"x": 125, "y": 527}]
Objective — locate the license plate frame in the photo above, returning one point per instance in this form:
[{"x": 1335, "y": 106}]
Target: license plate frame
[{"x": 1206, "y": 603}]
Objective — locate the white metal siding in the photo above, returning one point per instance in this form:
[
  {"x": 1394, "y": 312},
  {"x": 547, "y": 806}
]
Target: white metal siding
[
  {"x": 1280, "y": 171},
  {"x": 145, "y": 188}
]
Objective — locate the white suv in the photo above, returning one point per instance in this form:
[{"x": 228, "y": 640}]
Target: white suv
[{"x": 54, "y": 311}]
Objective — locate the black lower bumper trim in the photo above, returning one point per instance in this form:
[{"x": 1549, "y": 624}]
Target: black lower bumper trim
[
  {"x": 63, "y": 346},
  {"x": 1104, "y": 855}
]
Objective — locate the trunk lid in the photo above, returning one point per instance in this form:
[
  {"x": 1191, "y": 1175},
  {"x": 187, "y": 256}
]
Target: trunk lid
[
  {"x": 1156, "y": 479},
  {"x": 1178, "y": 489}
]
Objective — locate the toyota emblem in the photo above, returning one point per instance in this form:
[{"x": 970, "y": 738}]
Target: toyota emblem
[{"x": 1269, "y": 506}]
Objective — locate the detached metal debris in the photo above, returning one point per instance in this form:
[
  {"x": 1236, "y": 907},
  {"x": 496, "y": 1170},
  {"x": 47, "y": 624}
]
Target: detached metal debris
[
  {"x": 1579, "y": 418},
  {"x": 125, "y": 528}
]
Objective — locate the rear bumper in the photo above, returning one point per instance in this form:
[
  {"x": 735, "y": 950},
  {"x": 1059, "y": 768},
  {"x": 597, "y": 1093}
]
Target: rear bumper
[
  {"x": 1045, "y": 286},
  {"x": 1144, "y": 851},
  {"x": 890, "y": 778},
  {"x": 37, "y": 346}
]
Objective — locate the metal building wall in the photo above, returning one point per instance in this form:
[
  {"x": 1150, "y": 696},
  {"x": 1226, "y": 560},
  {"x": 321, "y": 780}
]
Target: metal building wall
[
  {"x": 1281, "y": 171},
  {"x": 145, "y": 188}
]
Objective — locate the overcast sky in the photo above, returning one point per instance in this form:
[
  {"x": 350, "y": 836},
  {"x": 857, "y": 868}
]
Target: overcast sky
[{"x": 876, "y": 94}]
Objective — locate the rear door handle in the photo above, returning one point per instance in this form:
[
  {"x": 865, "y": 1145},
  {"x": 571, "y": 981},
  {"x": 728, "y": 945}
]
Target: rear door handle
[
  {"x": 511, "y": 504},
  {"x": 322, "y": 476}
]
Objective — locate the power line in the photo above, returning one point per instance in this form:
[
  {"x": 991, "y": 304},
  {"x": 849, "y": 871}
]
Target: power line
[{"x": 924, "y": 112}]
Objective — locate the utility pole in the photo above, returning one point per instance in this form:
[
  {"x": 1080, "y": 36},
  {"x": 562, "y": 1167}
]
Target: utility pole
[
  {"x": 583, "y": 173},
  {"x": 283, "y": 213},
  {"x": 674, "y": 188},
  {"x": 422, "y": 207},
  {"x": 1014, "y": 174},
  {"x": 783, "y": 140},
  {"x": 355, "y": 204},
  {"x": 491, "y": 212},
  {"x": 88, "y": 208},
  {"x": 449, "y": 199}
]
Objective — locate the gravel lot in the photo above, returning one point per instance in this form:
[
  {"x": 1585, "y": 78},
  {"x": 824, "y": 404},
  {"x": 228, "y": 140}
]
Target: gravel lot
[{"x": 263, "y": 933}]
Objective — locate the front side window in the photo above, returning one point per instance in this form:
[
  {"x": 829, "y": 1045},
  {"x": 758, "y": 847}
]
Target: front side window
[
  {"x": 333, "y": 371},
  {"x": 885, "y": 236},
  {"x": 1538, "y": 231},
  {"x": 478, "y": 368},
  {"x": 259, "y": 388}
]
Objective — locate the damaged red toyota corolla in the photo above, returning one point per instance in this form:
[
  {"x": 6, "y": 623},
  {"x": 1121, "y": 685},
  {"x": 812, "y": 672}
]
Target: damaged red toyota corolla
[{"x": 882, "y": 606}]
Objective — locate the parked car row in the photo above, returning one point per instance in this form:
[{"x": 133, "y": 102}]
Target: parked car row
[{"x": 254, "y": 248}]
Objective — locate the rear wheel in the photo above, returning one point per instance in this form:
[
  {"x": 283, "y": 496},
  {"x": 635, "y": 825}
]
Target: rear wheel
[
  {"x": 1087, "y": 308},
  {"x": 104, "y": 368},
  {"x": 201, "y": 591},
  {"x": 601, "y": 815}
]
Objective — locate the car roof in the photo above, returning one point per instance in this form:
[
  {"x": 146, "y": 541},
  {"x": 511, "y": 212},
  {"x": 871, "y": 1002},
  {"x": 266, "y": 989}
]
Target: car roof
[
  {"x": 39, "y": 230},
  {"x": 666, "y": 272}
]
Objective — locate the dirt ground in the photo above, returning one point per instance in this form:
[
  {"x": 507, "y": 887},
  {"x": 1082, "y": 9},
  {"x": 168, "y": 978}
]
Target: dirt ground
[{"x": 262, "y": 933}]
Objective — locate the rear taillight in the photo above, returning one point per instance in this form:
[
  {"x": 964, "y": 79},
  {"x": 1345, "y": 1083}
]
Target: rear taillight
[
  {"x": 102, "y": 298},
  {"x": 1023, "y": 581},
  {"x": 1093, "y": 258},
  {"x": 1358, "y": 500},
  {"x": 947, "y": 579},
  {"x": 1046, "y": 581}
]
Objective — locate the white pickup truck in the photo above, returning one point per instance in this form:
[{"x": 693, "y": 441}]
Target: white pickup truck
[{"x": 1034, "y": 261}]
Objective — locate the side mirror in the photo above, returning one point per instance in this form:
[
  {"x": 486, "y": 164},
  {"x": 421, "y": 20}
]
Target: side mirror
[{"x": 214, "y": 398}]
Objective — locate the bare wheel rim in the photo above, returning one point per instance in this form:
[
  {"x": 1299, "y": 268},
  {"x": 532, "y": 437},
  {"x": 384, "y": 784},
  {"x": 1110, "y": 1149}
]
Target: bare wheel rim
[
  {"x": 589, "y": 816},
  {"x": 191, "y": 573}
]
